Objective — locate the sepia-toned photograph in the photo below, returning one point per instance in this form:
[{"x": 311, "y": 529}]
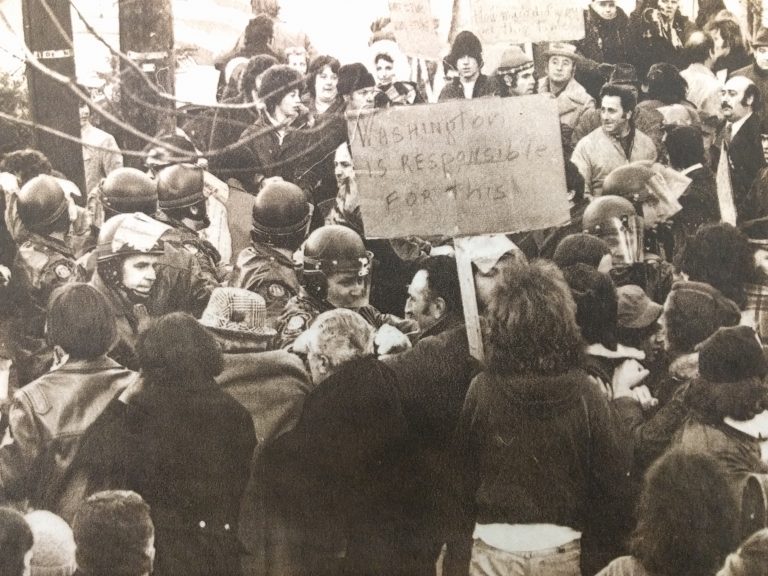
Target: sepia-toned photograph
[{"x": 383, "y": 288}]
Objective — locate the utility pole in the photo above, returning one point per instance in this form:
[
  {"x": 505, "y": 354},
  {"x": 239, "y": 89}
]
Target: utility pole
[
  {"x": 53, "y": 104},
  {"x": 146, "y": 37}
]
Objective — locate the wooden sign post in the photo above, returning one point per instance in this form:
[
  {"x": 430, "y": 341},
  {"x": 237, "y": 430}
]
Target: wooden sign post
[{"x": 461, "y": 168}]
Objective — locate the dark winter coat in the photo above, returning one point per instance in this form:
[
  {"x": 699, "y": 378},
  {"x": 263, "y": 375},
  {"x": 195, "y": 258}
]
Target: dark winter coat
[
  {"x": 187, "y": 450},
  {"x": 484, "y": 86},
  {"x": 700, "y": 206},
  {"x": 605, "y": 40},
  {"x": 648, "y": 45}
]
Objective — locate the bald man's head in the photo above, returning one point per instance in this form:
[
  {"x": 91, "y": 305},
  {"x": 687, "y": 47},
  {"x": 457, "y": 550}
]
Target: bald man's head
[{"x": 739, "y": 98}]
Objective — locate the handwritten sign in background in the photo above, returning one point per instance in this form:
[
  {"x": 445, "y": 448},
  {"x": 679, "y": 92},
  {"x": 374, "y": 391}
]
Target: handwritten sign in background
[
  {"x": 463, "y": 167},
  {"x": 415, "y": 28},
  {"x": 528, "y": 20}
]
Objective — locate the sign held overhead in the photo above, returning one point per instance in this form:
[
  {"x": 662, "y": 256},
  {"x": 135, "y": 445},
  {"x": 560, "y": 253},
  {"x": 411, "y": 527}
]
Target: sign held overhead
[{"x": 528, "y": 20}]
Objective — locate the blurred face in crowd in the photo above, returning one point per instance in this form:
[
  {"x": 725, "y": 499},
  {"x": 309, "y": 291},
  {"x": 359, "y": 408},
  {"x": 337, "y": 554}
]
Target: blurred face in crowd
[
  {"x": 139, "y": 273},
  {"x": 720, "y": 48},
  {"x": 652, "y": 342},
  {"x": 485, "y": 282},
  {"x": 560, "y": 69},
  {"x": 348, "y": 289},
  {"x": 298, "y": 62},
  {"x": 85, "y": 115},
  {"x": 761, "y": 261},
  {"x": 761, "y": 57},
  {"x": 468, "y": 67},
  {"x": 525, "y": 83},
  {"x": 667, "y": 8},
  {"x": 606, "y": 9},
  {"x": 614, "y": 120},
  {"x": 326, "y": 83},
  {"x": 362, "y": 99},
  {"x": 289, "y": 106},
  {"x": 732, "y": 102},
  {"x": 421, "y": 306},
  {"x": 385, "y": 71},
  {"x": 342, "y": 165}
]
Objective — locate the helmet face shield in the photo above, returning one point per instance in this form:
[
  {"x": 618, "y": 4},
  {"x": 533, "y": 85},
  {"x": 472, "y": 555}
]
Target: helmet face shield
[{"x": 624, "y": 236}]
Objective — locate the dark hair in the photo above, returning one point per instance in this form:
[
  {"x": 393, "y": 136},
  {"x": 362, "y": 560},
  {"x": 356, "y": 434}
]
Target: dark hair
[
  {"x": 15, "y": 541},
  {"x": 720, "y": 255},
  {"x": 627, "y": 97},
  {"x": 666, "y": 84},
  {"x": 316, "y": 67},
  {"x": 752, "y": 91},
  {"x": 259, "y": 31},
  {"x": 685, "y": 146},
  {"x": 26, "y": 164},
  {"x": 81, "y": 321},
  {"x": 383, "y": 56},
  {"x": 713, "y": 401},
  {"x": 443, "y": 281},
  {"x": 698, "y": 47},
  {"x": 176, "y": 349},
  {"x": 597, "y": 305},
  {"x": 687, "y": 517},
  {"x": 255, "y": 67},
  {"x": 530, "y": 322},
  {"x": 751, "y": 559},
  {"x": 276, "y": 83},
  {"x": 112, "y": 530},
  {"x": 730, "y": 32},
  {"x": 708, "y": 9}
]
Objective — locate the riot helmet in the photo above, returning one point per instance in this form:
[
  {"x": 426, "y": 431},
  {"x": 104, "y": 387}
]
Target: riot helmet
[
  {"x": 281, "y": 215},
  {"x": 180, "y": 194},
  {"x": 121, "y": 237},
  {"x": 330, "y": 250},
  {"x": 614, "y": 220},
  {"x": 42, "y": 205},
  {"x": 127, "y": 190}
]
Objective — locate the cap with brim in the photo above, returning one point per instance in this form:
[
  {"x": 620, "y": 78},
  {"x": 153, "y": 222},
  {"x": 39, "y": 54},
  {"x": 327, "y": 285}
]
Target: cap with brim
[
  {"x": 636, "y": 310},
  {"x": 513, "y": 60},
  {"x": 563, "y": 49}
]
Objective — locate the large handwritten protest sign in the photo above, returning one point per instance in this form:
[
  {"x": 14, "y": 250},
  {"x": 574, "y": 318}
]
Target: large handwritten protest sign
[
  {"x": 528, "y": 20},
  {"x": 415, "y": 28},
  {"x": 462, "y": 167}
]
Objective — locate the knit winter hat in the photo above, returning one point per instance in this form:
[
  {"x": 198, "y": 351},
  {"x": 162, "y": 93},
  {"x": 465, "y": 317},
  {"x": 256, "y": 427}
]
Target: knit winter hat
[
  {"x": 278, "y": 81},
  {"x": 694, "y": 311},
  {"x": 731, "y": 355},
  {"x": 353, "y": 77},
  {"x": 514, "y": 60},
  {"x": 53, "y": 553},
  {"x": 580, "y": 249},
  {"x": 465, "y": 44},
  {"x": 636, "y": 310}
]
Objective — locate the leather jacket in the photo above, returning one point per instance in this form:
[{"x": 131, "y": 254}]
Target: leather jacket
[{"x": 48, "y": 418}]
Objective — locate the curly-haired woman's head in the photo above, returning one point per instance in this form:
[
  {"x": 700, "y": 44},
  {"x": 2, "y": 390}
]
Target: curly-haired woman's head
[
  {"x": 176, "y": 349},
  {"x": 751, "y": 559},
  {"x": 530, "y": 322},
  {"x": 687, "y": 516}
]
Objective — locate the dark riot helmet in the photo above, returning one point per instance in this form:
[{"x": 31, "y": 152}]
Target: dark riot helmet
[
  {"x": 281, "y": 215},
  {"x": 614, "y": 220},
  {"x": 331, "y": 249},
  {"x": 127, "y": 190},
  {"x": 180, "y": 194},
  {"x": 41, "y": 204}
]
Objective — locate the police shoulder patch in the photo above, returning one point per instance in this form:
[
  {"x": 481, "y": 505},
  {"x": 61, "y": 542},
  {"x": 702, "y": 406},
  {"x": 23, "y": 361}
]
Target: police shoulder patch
[
  {"x": 296, "y": 323},
  {"x": 62, "y": 271},
  {"x": 276, "y": 290}
]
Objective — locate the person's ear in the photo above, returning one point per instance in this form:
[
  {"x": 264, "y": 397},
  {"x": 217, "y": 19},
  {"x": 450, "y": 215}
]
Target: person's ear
[{"x": 439, "y": 307}]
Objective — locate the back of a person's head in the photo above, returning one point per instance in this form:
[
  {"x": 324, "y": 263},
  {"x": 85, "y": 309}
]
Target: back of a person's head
[
  {"x": 26, "y": 164},
  {"x": 720, "y": 255},
  {"x": 53, "y": 553},
  {"x": 751, "y": 559},
  {"x": 597, "y": 304},
  {"x": 341, "y": 335},
  {"x": 530, "y": 322},
  {"x": 666, "y": 84},
  {"x": 443, "y": 281},
  {"x": 580, "y": 249},
  {"x": 698, "y": 47},
  {"x": 176, "y": 350},
  {"x": 114, "y": 535},
  {"x": 81, "y": 321},
  {"x": 687, "y": 516},
  {"x": 685, "y": 146},
  {"x": 15, "y": 542}
]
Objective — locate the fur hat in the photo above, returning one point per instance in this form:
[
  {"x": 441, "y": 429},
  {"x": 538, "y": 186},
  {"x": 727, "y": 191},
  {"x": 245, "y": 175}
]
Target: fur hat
[
  {"x": 514, "y": 60},
  {"x": 276, "y": 82},
  {"x": 53, "y": 553},
  {"x": 354, "y": 77},
  {"x": 465, "y": 44},
  {"x": 563, "y": 49},
  {"x": 694, "y": 311},
  {"x": 580, "y": 248},
  {"x": 596, "y": 304},
  {"x": 761, "y": 38},
  {"x": 732, "y": 354}
]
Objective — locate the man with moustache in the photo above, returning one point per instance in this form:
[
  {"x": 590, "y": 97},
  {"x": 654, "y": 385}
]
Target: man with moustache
[{"x": 739, "y": 99}]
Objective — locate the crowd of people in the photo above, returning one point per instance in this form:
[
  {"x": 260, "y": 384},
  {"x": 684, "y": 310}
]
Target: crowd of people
[{"x": 208, "y": 368}]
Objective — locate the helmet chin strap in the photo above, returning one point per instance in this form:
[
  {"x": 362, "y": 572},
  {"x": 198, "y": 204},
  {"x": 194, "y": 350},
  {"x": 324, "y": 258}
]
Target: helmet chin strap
[{"x": 196, "y": 225}]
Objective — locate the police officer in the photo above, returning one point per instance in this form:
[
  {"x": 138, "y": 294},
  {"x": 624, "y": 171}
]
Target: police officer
[
  {"x": 123, "y": 191},
  {"x": 335, "y": 273},
  {"x": 615, "y": 220},
  {"x": 182, "y": 206},
  {"x": 281, "y": 219},
  {"x": 130, "y": 247},
  {"x": 44, "y": 261}
]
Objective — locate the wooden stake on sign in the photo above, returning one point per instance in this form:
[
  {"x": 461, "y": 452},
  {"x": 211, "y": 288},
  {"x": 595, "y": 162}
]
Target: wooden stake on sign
[{"x": 469, "y": 299}]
